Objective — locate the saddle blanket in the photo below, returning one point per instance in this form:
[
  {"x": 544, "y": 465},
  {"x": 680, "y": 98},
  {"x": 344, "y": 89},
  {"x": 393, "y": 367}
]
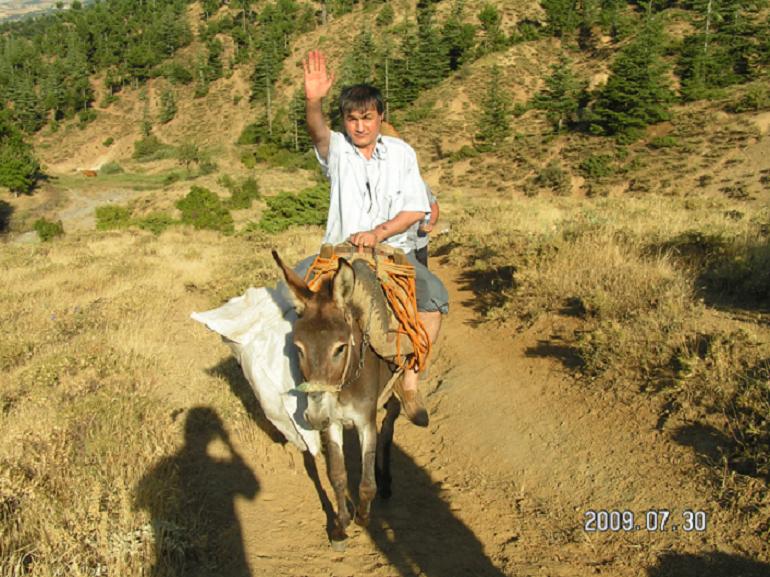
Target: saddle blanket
[{"x": 257, "y": 327}]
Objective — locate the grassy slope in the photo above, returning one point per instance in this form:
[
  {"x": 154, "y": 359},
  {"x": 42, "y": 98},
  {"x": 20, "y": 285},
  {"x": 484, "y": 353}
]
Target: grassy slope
[{"x": 98, "y": 348}]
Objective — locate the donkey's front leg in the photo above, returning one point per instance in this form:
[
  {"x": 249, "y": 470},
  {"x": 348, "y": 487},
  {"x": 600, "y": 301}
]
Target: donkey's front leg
[
  {"x": 367, "y": 436},
  {"x": 335, "y": 462}
]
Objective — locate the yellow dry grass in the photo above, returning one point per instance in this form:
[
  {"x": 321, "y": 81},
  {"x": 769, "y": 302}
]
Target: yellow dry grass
[{"x": 98, "y": 358}]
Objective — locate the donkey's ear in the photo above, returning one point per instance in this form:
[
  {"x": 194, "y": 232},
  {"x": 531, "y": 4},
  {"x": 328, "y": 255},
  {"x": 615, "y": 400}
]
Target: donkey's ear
[
  {"x": 343, "y": 284},
  {"x": 299, "y": 289}
]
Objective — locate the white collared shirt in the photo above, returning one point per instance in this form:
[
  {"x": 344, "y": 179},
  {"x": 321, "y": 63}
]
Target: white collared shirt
[{"x": 367, "y": 192}]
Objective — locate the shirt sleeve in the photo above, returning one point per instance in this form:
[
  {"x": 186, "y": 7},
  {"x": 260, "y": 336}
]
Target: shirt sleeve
[
  {"x": 335, "y": 145},
  {"x": 415, "y": 195}
]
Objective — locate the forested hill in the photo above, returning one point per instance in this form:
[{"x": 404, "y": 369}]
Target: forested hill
[{"x": 600, "y": 69}]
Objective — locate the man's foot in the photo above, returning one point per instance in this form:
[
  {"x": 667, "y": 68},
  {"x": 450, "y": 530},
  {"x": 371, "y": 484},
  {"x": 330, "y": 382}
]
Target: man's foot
[{"x": 414, "y": 407}]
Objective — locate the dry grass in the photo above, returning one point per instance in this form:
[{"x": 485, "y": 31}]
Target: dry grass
[
  {"x": 669, "y": 293},
  {"x": 99, "y": 359}
]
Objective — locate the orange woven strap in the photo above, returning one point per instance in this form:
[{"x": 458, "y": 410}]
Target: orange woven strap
[{"x": 398, "y": 284}]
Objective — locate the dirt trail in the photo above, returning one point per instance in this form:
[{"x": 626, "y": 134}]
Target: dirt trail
[{"x": 499, "y": 484}]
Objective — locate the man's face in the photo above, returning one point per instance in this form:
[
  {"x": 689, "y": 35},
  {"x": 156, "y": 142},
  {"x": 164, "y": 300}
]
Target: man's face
[{"x": 363, "y": 126}]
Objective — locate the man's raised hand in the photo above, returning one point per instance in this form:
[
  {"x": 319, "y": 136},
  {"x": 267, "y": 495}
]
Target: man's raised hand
[{"x": 318, "y": 81}]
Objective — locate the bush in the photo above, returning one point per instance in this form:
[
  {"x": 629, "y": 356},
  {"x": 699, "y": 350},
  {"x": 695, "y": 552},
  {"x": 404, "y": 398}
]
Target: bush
[
  {"x": 108, "y": 141},
  {"x": 757, "y": 98},
  {"x": 86, "y": 116},
  {"x": 553, "y": 177},
  {"x": 110, "y": 168},
  {"x": 663, "y": 142},
  {"x": 309, "y": 207},
  {"x": 204, "y": 210},
  {"x": 155, "y": 222},
  {"x": 241, "y": 195},
  {"x": 110, "y": 216},
  {"x": 465, "y": 152},
  {"x": 47, "y": 230},
  {"x": 597, "y": 166},
  {"x": 150, "y": 148},
  {"x": 177, "y": 74}
]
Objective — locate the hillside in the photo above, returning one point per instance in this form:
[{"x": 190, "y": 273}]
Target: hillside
[{"x": 607, "y": 348}]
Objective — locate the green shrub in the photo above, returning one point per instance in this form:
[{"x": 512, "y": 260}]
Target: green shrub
[
  {"x": 171, "y": 178},
  {"x": 553, "y": 177},
  {"x": 667, "y": 141},
  {"x": 757, "y": 98},
  {"x": 110, "y": 168},
  {"x": 47, "y": 230},
  {"x": 150, "y": 148},
  {"x": 155, "y": 222},
  {"x": 204, "y": 210},
  {"x": 241, "y": 195},
  {"x": 108, "y": 141},
  {"x": 110, "y": 216},
  {"x": 254, "y": 133},
  {"x": 177, "y": 74},
  {"x": 597, "y": 166},
  {"x": 85, "y": 117},
  {"x": 465, "y": 152},
  {"x": 309, "y": 207}
]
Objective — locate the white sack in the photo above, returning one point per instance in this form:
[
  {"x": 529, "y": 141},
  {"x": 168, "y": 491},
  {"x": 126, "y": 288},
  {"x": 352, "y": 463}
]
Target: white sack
[{"x": 257, "y": 326}]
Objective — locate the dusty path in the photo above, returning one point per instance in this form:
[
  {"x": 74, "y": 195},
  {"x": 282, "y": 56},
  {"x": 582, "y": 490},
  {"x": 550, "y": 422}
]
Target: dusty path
[{"x": 515, "y": 455}]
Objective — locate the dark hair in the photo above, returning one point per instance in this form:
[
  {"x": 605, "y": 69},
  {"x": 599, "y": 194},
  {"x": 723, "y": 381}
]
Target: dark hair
[{"x": 360, "y": 97}]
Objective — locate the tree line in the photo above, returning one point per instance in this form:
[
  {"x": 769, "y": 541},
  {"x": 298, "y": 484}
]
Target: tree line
[{"x": 47, "y": 63}]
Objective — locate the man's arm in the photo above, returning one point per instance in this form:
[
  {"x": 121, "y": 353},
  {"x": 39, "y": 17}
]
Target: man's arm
[
  {"x": 399, "y": 223},
  {"x": 318, "y": 82}
]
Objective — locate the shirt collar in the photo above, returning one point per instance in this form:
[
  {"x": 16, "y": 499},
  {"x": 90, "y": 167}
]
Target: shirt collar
[{"x": 380, "y": 149}]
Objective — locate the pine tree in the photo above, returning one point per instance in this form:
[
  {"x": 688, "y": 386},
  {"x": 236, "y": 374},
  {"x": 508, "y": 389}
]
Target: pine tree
[
  {"x": 18, "y": 165},
  {"x": 637, "y": 92},
  {"x": 493, "y": 38},
  {"x": 562, "y": 16},
  {"x": 561, "y": 96},
  {"x": 431, "y": 64},
  {"x": 457, "y": 37},
  {"x": 359, "y": 65},
  {"x": 494, "y": 124},
  {"x": 167, "y": 106}
]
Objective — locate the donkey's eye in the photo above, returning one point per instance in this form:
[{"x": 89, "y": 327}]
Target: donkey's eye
[{"x": 339, "y": 349}]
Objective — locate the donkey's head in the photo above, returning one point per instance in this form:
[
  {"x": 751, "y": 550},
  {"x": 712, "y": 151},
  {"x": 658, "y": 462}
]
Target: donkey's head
[{"x": 327, "y": 338}]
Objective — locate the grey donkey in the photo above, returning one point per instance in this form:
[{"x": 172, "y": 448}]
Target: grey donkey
[{"x": 339, "y": 330}]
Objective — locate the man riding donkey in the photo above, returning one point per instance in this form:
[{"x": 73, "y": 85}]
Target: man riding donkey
[{"x": 376, "y": 195}]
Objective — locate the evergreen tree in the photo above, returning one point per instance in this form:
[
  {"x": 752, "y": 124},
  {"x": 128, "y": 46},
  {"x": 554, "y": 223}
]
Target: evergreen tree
[
  {"x": 457, "y": 37},
  {"x": 299, "y": 138},
  {"x": 493, "y": 38},
  {"x": 637, "y": 92},
  {"x": 494, "y": 123},
  {"x": 359, "y": 64},
  {"x": 405, "y": 84},
  {"x": 431, "y": 64},
  {"x": 167, "y": 106},
  {"x": 561, "y": 15},
  {"x": 18, "y": 165},
  {"x": 561, "y": 96}
]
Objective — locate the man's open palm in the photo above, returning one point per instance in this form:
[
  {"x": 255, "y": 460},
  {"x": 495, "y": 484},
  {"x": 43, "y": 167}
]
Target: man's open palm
[{"x": 318, "y": 81}]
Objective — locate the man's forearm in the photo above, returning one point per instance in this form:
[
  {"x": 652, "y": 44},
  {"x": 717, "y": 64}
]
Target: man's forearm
[
  {"x": 399, "y": 223},
  {"x": 316, "y": 126}
]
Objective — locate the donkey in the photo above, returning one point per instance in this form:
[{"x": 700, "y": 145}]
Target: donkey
[{"x": 338, "y": 332}]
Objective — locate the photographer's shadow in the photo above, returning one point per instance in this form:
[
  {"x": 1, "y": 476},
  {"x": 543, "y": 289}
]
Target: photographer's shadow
[{"x": 190, "y": 496}]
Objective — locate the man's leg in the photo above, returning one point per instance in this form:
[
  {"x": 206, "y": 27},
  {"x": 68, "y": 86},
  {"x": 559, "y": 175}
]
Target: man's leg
[
  {"x": 432, "y": 301},
  {"x": 412, "y": 399}
]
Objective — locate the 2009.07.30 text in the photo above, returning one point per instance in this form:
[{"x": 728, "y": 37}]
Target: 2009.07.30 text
[{"x": 652, "y": 520}]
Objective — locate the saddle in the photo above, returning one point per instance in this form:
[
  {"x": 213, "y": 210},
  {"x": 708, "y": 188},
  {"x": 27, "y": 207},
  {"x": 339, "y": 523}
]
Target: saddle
[{"x": 406, "y": 343}]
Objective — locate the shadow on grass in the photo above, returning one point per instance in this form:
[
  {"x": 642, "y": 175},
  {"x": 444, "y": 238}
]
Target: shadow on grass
[
  {"x": 568, "y": 355},
  {"x": 714, "y": 564},
  {"x": 489, "y": 287},
  {"x": 6, "y": 210},
  {"x": 190, "y": 496}
]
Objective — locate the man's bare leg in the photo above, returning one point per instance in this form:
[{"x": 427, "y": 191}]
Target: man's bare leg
[{"x": 411, "y": 398}]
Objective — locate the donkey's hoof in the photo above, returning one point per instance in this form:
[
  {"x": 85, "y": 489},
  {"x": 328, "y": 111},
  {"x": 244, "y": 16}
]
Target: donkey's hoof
[{"x": 339, "y": 546}]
